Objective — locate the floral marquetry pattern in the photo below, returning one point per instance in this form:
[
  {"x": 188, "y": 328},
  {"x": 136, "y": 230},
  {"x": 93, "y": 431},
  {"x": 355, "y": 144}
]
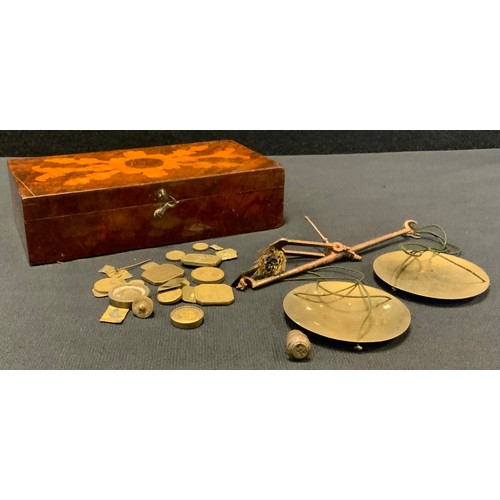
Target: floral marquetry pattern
[{"x": 59, "y": 174}]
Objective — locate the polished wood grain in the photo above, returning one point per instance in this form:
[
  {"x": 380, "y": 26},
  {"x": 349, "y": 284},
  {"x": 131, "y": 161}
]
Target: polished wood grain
[{"x": 87, "y": 205}]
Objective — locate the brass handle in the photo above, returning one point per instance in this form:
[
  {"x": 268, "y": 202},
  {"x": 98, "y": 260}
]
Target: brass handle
[{"x": 170, "y": 203}]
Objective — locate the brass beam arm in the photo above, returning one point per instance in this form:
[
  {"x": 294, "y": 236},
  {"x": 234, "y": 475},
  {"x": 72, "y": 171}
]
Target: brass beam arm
[{"x": 332, "y": 252}]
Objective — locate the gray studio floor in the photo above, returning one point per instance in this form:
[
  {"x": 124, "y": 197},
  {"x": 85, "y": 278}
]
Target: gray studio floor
[{"x": 49, "y": 318}]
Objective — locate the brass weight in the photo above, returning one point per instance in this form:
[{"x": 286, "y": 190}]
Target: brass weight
[{"x": 298, "y": 345}]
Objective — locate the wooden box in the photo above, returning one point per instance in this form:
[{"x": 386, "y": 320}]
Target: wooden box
[{"x": 84, "y": 205}]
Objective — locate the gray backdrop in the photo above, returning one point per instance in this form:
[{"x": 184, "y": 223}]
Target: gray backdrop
[{"x": 50, "y": 320}]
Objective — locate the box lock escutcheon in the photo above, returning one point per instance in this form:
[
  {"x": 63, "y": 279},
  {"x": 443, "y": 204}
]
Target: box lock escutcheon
[{"x": 168, "y": 202}]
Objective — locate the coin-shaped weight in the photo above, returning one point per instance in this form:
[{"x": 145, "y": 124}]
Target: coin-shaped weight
[
  {"x": 143, "y": 307},
  {"x": 201, "y": 260},
  {"x": 97, "y": 294},
  {"x": 124, "y": 294},
  {"x": 214, "y": 295},
  {"x": 106, "y": 284},
  {"x": 136, "y": 282},
  {"x": 187, "y": 317},
  {"x": 162, "y": 273},
  {"x": 149, "y": 265},
  {"x": 200, "y": 247},
  {"x": 169, "y": 296},
  {"x": 175, "y": 255},
  {"x": 203, "y": 275},
  {"x": 227, "y": 254}
]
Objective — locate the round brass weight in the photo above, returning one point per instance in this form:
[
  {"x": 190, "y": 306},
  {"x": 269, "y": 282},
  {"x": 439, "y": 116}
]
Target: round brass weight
[
  {"x": 124, "y": 294},
  {"x": 432, "y": 275},
  {"x": 143, "y": 307},
  {"x": 211, "y": 274},
  {"x": 170, "y": 296},
  {"x": 175, "y": 255},
  {"x": 104, "y": 285},
  {"x": 187, "y": 317},
  {"x": 200, "y": 247}
]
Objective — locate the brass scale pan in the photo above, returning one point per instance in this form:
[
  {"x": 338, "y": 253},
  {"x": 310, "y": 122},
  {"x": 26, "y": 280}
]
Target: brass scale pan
[
  {"x": 363, "y": 315},
  {"x": 368, "y": 314},
  {"x": 432, "y": 274}
]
